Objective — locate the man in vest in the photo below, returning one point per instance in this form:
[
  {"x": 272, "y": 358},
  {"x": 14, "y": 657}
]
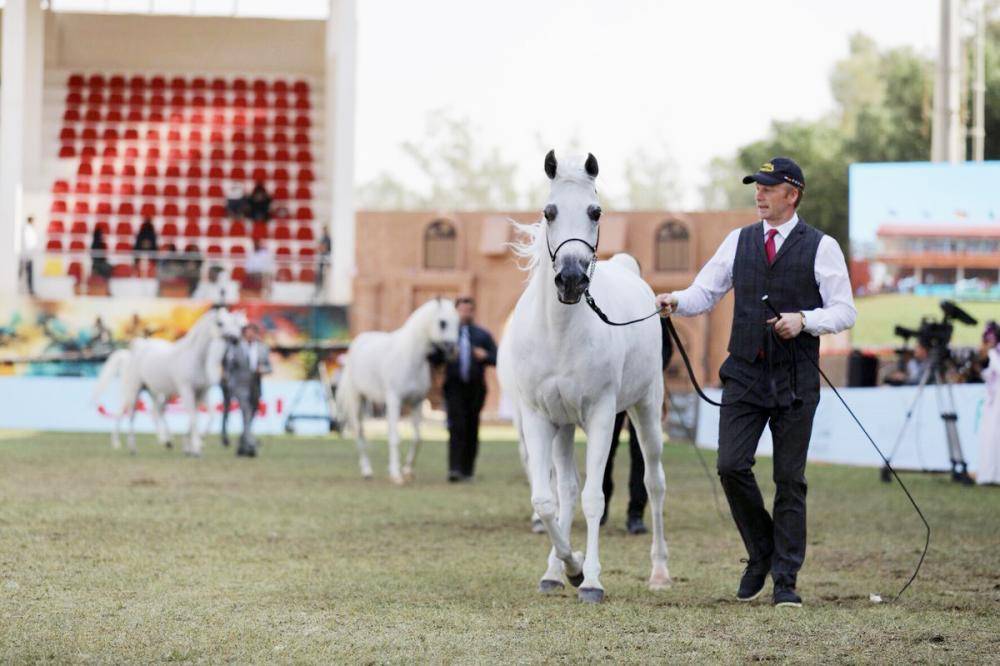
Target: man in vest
[{"x": 766, "y": 380}]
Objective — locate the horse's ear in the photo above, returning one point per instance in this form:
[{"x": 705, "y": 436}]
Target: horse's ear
[
  {"x": 591, "y": 165},
  {"x": 550, "y": 164}
]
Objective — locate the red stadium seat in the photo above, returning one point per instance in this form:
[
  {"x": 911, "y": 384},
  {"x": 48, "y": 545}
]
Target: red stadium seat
[
  {"x": 81, "y": 208},
  {"x": 215, "y": 191},
  {"x": 171, "y": 190},
  {"x": 109, "y": 152},
  {"x": 239, "y": 120},
  {"x": 126, "y": 189},
  {"x": 216, "y": 212},
  {"x": 77, "y": 245},
  {"x": 137, "y": 82},
  {"x": 281, "y": 175},
  {"x": 280, "y": 193},
  {"x": 82, "y": 187},
  {"x": 236, "y": 250},
  {"x": 307, "y": 253},
  {"x": 125, "y": 208},
  {"x": 153, "y": 154},
  {"x": 79, "y": 228},
  {"x": 237, "y": 229},
  {"x": 177, "y": 101},
  {"x": 219, "y": 102},
  {"x": 103, "y": 226},
  {"x": 259, "y": 86},
  {"x": 60, "y": 187},
  {"x": 239, "y": 274},
  {"x": 88, "y": 152},
  {"x": 238, "y": 155},
  {"x": 303, "y": 193},
  {"x": 106, "y": 188},
  {"x": 199, "y": 102},
  {"x": 67, "y": 134},
  {"x": 258, "y": 175},
  {"x": 192, "y": 230},
  {"x": 74, "y": 98},
  {"x": 303, "y": 156},
  {"x": 280, "y": 120},
  {"x": 149, "y": 189},
  {"x": 147, "y": 210},
  {"x": 172, "y": 171},
  {"x": 237, "y": 173},
  {"x": 71, "y": 115},
  {"x": 260, "y": 119},
  {"x": 103, "y": 208},
  {"x": 304, "y": 234},
  {"x": 54, "y": 245},
  {"x": 239, "y": 102},
  {"x": 284, "y": 274},
  {"x": 198, "y": 83},
  {"x": 194, "y": 172},
  {"x": 113, "y": 116},
  {"x": 151, "y": 171},
  {"x": 130, "y": 134},
  {"x": 128, "y": 171},
  {"x": 280, "y": 86},
  {"x": 307, "y": 275},
  {"x": 216, "y": 137},
  {"x": 137, "y": 100},
  {"x": 85, "y": 169},
  {"x": 96, "y": 81},
  {"x": 134, "y": 116},
  {"x": 239, "y": 84},
  {"x": 116, "y": 99},
  {"x": 282, "y": 155},
  {"x": 67, "y": 151},
  {"x": 157, "y": 83},
  {"x": 302, "y": 104},
  {"x": 193, "y": 191},
  {"x": 260, "y": 155},
  {"x": 217, "y": 155},
  {"x": 155, "y": 116},
  {"x": 116, "y": 82},
  {"x": 124, "y": 228},
  {"x": 281, "y": 103},
  {"x": 214, "y": 251},
  {"x": 95, "y": 98},
  {"x": 170, "y": 209},
  {"x": 282, "y": 232},
  {"x": 279, "y": 137},
  {"x": 92, "y": 116},
  {"x": 302, "y": 122},
  {"x": 131, "y": 153},
  {"x": 121, "y": 270},
  {"x": 75, "y": 81},
  {"x": 194, "y": 136},
  {"x": 219, "y": 85},
  {"x": 192, "y": 211},
  {"x": 306, "y": 175},
  {"x": 178, "y": 83},
  {"x": 197, "y": 118},
  {"x": 169, "y": 230},
  {"x": 75, "y": 271},
  {"x": 301, "y": 87},
  {"x": 304, "y": 213},
  {"x": 260, "y": 102},
  {"x": 216, "y": 173},
  {"x": 214, "y": 230}
]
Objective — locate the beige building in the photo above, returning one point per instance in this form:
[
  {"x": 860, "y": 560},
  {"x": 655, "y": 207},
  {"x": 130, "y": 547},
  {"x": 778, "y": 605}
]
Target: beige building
[{"x": 403, "y": 259}]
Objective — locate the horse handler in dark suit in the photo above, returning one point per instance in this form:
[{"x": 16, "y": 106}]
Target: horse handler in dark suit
[
  {"x": 245, "y": 363},
  {"x": 766, "y": 380},
  {"x": 465, "y": 391}
]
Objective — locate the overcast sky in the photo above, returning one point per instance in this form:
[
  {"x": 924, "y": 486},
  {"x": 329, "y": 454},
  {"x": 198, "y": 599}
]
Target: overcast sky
[{"x": 700, "y": 78}]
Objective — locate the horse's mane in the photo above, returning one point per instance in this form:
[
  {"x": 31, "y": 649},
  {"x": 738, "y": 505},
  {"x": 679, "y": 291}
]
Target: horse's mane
[
  {"x": 419, "y": 316},
  {"x": 529, "y": 244}
]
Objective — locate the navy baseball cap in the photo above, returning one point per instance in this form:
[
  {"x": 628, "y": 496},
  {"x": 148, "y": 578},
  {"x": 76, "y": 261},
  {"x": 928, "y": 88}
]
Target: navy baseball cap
[{"x": 778, "y": 170}]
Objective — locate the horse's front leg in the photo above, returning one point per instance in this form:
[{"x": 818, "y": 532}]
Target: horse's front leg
[
  {"x": 411, "y": 455},
  {"x": 393, "y": 406},
  {"x": 159, "y": 410},
  {"x": 646, "y": 417},
  {"x": 599, "y": 426},
  {"x": 568, "y": 484},
  {"x": 538, "y": 433}
]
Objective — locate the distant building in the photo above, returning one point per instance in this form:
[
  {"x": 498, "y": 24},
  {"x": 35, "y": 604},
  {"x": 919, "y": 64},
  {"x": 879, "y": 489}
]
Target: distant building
[{"x": 940, "y": 254}]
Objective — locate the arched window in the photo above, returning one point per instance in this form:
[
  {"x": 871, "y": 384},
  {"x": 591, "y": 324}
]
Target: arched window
[
  {"x": 440, "y": 245},
  {"x": 673, "y": 247}
]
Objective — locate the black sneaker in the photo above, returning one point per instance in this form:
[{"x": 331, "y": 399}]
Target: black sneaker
[
  {"x": 634, "y": 525},
  {"x": 754, "y": 577},
  {"x": 785, "y": 597}
]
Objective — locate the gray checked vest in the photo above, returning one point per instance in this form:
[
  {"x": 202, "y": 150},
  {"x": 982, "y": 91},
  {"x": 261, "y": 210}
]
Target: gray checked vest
[{"x": 789, "y": 283}]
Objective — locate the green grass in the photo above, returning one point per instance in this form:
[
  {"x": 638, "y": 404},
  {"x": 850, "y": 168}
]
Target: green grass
[
  {"x": 292, "y": 558},
  {"x": 879, "y": 315}
]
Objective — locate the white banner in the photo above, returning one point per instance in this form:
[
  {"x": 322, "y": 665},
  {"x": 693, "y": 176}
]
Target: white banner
[
  {"x": 65, "y": 404},
  {"x": 836, "y": 438}
]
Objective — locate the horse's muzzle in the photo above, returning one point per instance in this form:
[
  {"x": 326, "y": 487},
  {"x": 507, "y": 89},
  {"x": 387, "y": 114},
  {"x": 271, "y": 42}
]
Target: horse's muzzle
[{"x": 571, "y": 282}]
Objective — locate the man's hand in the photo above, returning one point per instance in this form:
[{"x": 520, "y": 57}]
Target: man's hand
[
  {"x": 480, "y": 354},
  {"x": 789, "y": 326},
  {"x": 667, "y": 304}
]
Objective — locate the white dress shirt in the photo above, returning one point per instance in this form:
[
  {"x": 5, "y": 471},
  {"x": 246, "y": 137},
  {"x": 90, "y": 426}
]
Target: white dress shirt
[{"x": 716, "y": 278}]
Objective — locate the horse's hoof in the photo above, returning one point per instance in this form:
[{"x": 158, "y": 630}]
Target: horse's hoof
[
  {"x": 575, "y": 581},
  {"x": 591, "y": 595},
  {"x": 407, "y": 474},
  {"x": 168, "y": 444},
  {"x": 546, "y": 586},
  {"x": 132, "y": 452},
  {"x": 537, "y": 526},
  {"x": 398, "y": 480},
  {"x": 657, "y": 585}
]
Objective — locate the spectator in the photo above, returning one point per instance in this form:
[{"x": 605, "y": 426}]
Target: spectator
[
  {"x": 260, "y": 267},
  {"x": 29, "y": 247},
  {"x": 259, "y": 204},
  {"x": 236, "y": 201},
  {"x": 145, "y": 240},
  {"x": 989, "y": 429},
  {"x": 323, "y": 254},
  {"x": 192, "y": 266},
  {"x": 212, "y": 288},
  {"x": 99, "y": 265}
]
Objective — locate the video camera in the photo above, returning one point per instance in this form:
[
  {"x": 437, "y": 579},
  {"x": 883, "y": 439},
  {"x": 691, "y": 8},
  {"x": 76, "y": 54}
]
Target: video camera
[{"x": 937, "y": 334}]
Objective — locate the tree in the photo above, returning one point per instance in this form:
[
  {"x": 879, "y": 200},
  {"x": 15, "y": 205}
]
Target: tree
[{"x": 650, "y": 181}]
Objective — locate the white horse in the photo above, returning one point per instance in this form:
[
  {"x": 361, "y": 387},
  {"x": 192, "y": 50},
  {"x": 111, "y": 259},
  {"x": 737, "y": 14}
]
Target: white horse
[
  {"x": 562, "y": 367},
  {"x": 392, "y": 369},
  {"x": 187, "y": 367}
]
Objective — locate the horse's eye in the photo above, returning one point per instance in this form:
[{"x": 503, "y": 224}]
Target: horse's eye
[
  {"x": 550, "y": 212},
  {"x": 443, "y": 324},
  {"x": 594, "y": 212}
]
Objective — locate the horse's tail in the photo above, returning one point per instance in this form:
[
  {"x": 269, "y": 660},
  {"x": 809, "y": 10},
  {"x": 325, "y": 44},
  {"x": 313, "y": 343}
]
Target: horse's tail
[
  {"x": 346, "y": 395},
  {"x": 113, "y": 368}
]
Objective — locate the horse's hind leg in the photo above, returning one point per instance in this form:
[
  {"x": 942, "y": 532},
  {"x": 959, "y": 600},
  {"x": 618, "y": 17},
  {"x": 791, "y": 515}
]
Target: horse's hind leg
[
  {"x": 159, "y": 410},
  {"x": 392, "y": 410},
  {"x": 568, "y": 484},
  {"x": 646, "y": 417},
  {"x": 357, "y": 418},
  {"x": 411, "y": 455}
]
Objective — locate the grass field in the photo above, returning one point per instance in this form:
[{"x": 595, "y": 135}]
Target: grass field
[
  {"x": 292, "y": 558},
  {"x": 879, "y": 315}
]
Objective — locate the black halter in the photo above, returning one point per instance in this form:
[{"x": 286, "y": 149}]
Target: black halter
[{"x": 592, "y": 248}]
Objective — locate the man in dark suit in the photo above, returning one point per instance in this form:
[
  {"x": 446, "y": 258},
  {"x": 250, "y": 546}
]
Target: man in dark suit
[
  {"x": 465, "y": 391},
  {"x": 637, "y": 497}
]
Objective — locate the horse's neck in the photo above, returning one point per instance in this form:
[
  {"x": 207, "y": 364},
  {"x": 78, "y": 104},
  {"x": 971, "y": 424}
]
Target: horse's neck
[
  {"x": 197, "y": 342},
  {"x": 412, "y": 341}
]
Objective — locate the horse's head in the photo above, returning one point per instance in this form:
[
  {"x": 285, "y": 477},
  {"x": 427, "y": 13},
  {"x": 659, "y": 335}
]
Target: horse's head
[
  {"x": 571, "y": 223},
  {"x": 228, "y": 324},
  {"x": 442, "y": 326}
]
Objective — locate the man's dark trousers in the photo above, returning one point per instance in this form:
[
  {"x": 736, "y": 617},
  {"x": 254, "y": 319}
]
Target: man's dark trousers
[
  {"x": 464, "y": 402},
  {"x": 637, "y": 497},
  {"x": 782, "y": 538}
]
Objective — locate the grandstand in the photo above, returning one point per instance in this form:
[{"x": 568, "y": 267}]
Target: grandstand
[{"x": 125, "y": 138}]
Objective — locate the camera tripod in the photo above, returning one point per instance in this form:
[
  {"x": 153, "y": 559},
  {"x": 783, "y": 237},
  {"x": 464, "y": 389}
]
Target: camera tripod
[{"x": 946, "y": 407}]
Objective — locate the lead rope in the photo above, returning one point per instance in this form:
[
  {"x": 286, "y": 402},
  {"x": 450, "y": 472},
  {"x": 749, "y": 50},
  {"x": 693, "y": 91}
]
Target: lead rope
[{"x": 793, "y": 352}]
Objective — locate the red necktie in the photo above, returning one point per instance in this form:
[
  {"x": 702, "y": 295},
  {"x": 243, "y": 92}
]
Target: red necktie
[{"x": 769, "y": 246}]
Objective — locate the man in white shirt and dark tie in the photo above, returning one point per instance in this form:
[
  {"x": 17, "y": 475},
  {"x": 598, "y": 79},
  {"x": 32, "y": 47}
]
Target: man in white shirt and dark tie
[
  {"x": 465, "y": 391},
  {"x": 246, "y": 361},
  {"x": 768, "y": 379}
]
